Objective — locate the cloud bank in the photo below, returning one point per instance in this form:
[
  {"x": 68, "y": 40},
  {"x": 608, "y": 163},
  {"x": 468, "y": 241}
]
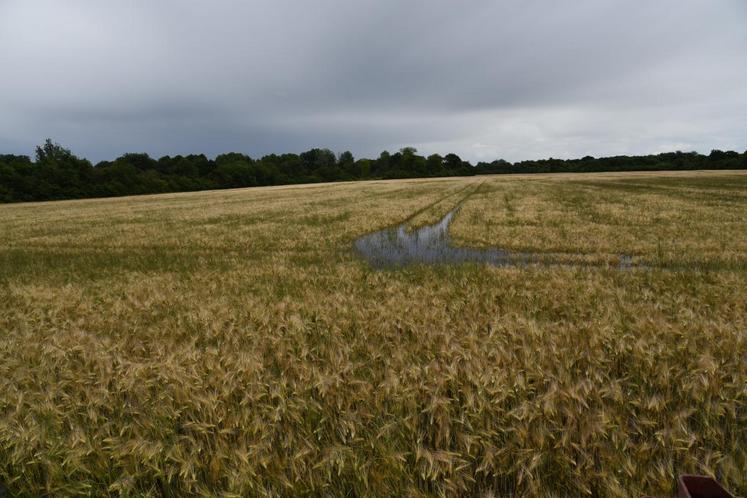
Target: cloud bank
[{"x": 514, "y": 79}]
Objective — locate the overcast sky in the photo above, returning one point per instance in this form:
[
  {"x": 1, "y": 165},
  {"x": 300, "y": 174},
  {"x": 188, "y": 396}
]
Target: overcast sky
[{"x": 513, "y": 79}]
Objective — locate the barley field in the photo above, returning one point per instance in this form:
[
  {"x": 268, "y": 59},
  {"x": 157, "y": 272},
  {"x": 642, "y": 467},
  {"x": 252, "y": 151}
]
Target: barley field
[{"x": 232, "y": 343}]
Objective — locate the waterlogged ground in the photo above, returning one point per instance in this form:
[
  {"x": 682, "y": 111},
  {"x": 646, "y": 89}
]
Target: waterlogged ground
[
  {"x": 235, "y": 343},
  {"x": 398, "y": 247}
]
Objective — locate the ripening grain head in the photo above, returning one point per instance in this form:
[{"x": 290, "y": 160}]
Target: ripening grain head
[{"x": 232, "y": 343}]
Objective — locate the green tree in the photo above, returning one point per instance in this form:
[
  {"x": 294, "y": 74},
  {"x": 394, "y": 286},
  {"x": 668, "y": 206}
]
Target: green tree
[
  {"x": 435, "y": 165},
  {"x": 60, "y": 174}
]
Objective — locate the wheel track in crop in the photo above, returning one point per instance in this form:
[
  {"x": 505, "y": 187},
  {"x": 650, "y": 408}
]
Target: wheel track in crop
[{"x": 461, "y": 201}]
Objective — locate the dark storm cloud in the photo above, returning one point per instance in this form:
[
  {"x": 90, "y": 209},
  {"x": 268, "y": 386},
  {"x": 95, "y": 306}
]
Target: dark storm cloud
[{"x": 486, "y": 79}]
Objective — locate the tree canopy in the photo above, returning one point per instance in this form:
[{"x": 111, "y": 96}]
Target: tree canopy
[{"x": 57, "y": 173}]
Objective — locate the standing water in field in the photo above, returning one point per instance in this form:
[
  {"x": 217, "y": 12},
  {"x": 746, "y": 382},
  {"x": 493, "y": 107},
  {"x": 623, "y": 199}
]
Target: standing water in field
[{"x": 397, "y": 247}]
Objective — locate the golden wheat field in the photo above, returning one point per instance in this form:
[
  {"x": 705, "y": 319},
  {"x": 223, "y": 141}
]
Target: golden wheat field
[{"x": 232, "y": 343}]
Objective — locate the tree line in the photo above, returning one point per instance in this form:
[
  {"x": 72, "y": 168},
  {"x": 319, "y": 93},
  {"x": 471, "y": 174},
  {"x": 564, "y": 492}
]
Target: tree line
[{"x": 56, "y": 173}]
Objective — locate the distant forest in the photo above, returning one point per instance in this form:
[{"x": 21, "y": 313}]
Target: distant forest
[{"x": 56, "y": 173}]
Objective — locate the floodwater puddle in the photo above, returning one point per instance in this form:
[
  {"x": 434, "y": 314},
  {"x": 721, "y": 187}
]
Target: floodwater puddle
[{"x": 396, "y": 247}]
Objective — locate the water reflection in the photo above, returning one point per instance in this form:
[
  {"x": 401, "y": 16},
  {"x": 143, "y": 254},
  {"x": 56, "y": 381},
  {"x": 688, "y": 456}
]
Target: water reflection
[{"x": 397, "y": 247}]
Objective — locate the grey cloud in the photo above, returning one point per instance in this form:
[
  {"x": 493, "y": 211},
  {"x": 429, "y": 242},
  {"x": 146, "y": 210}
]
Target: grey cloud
[{"x": 486, "y": 79}]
